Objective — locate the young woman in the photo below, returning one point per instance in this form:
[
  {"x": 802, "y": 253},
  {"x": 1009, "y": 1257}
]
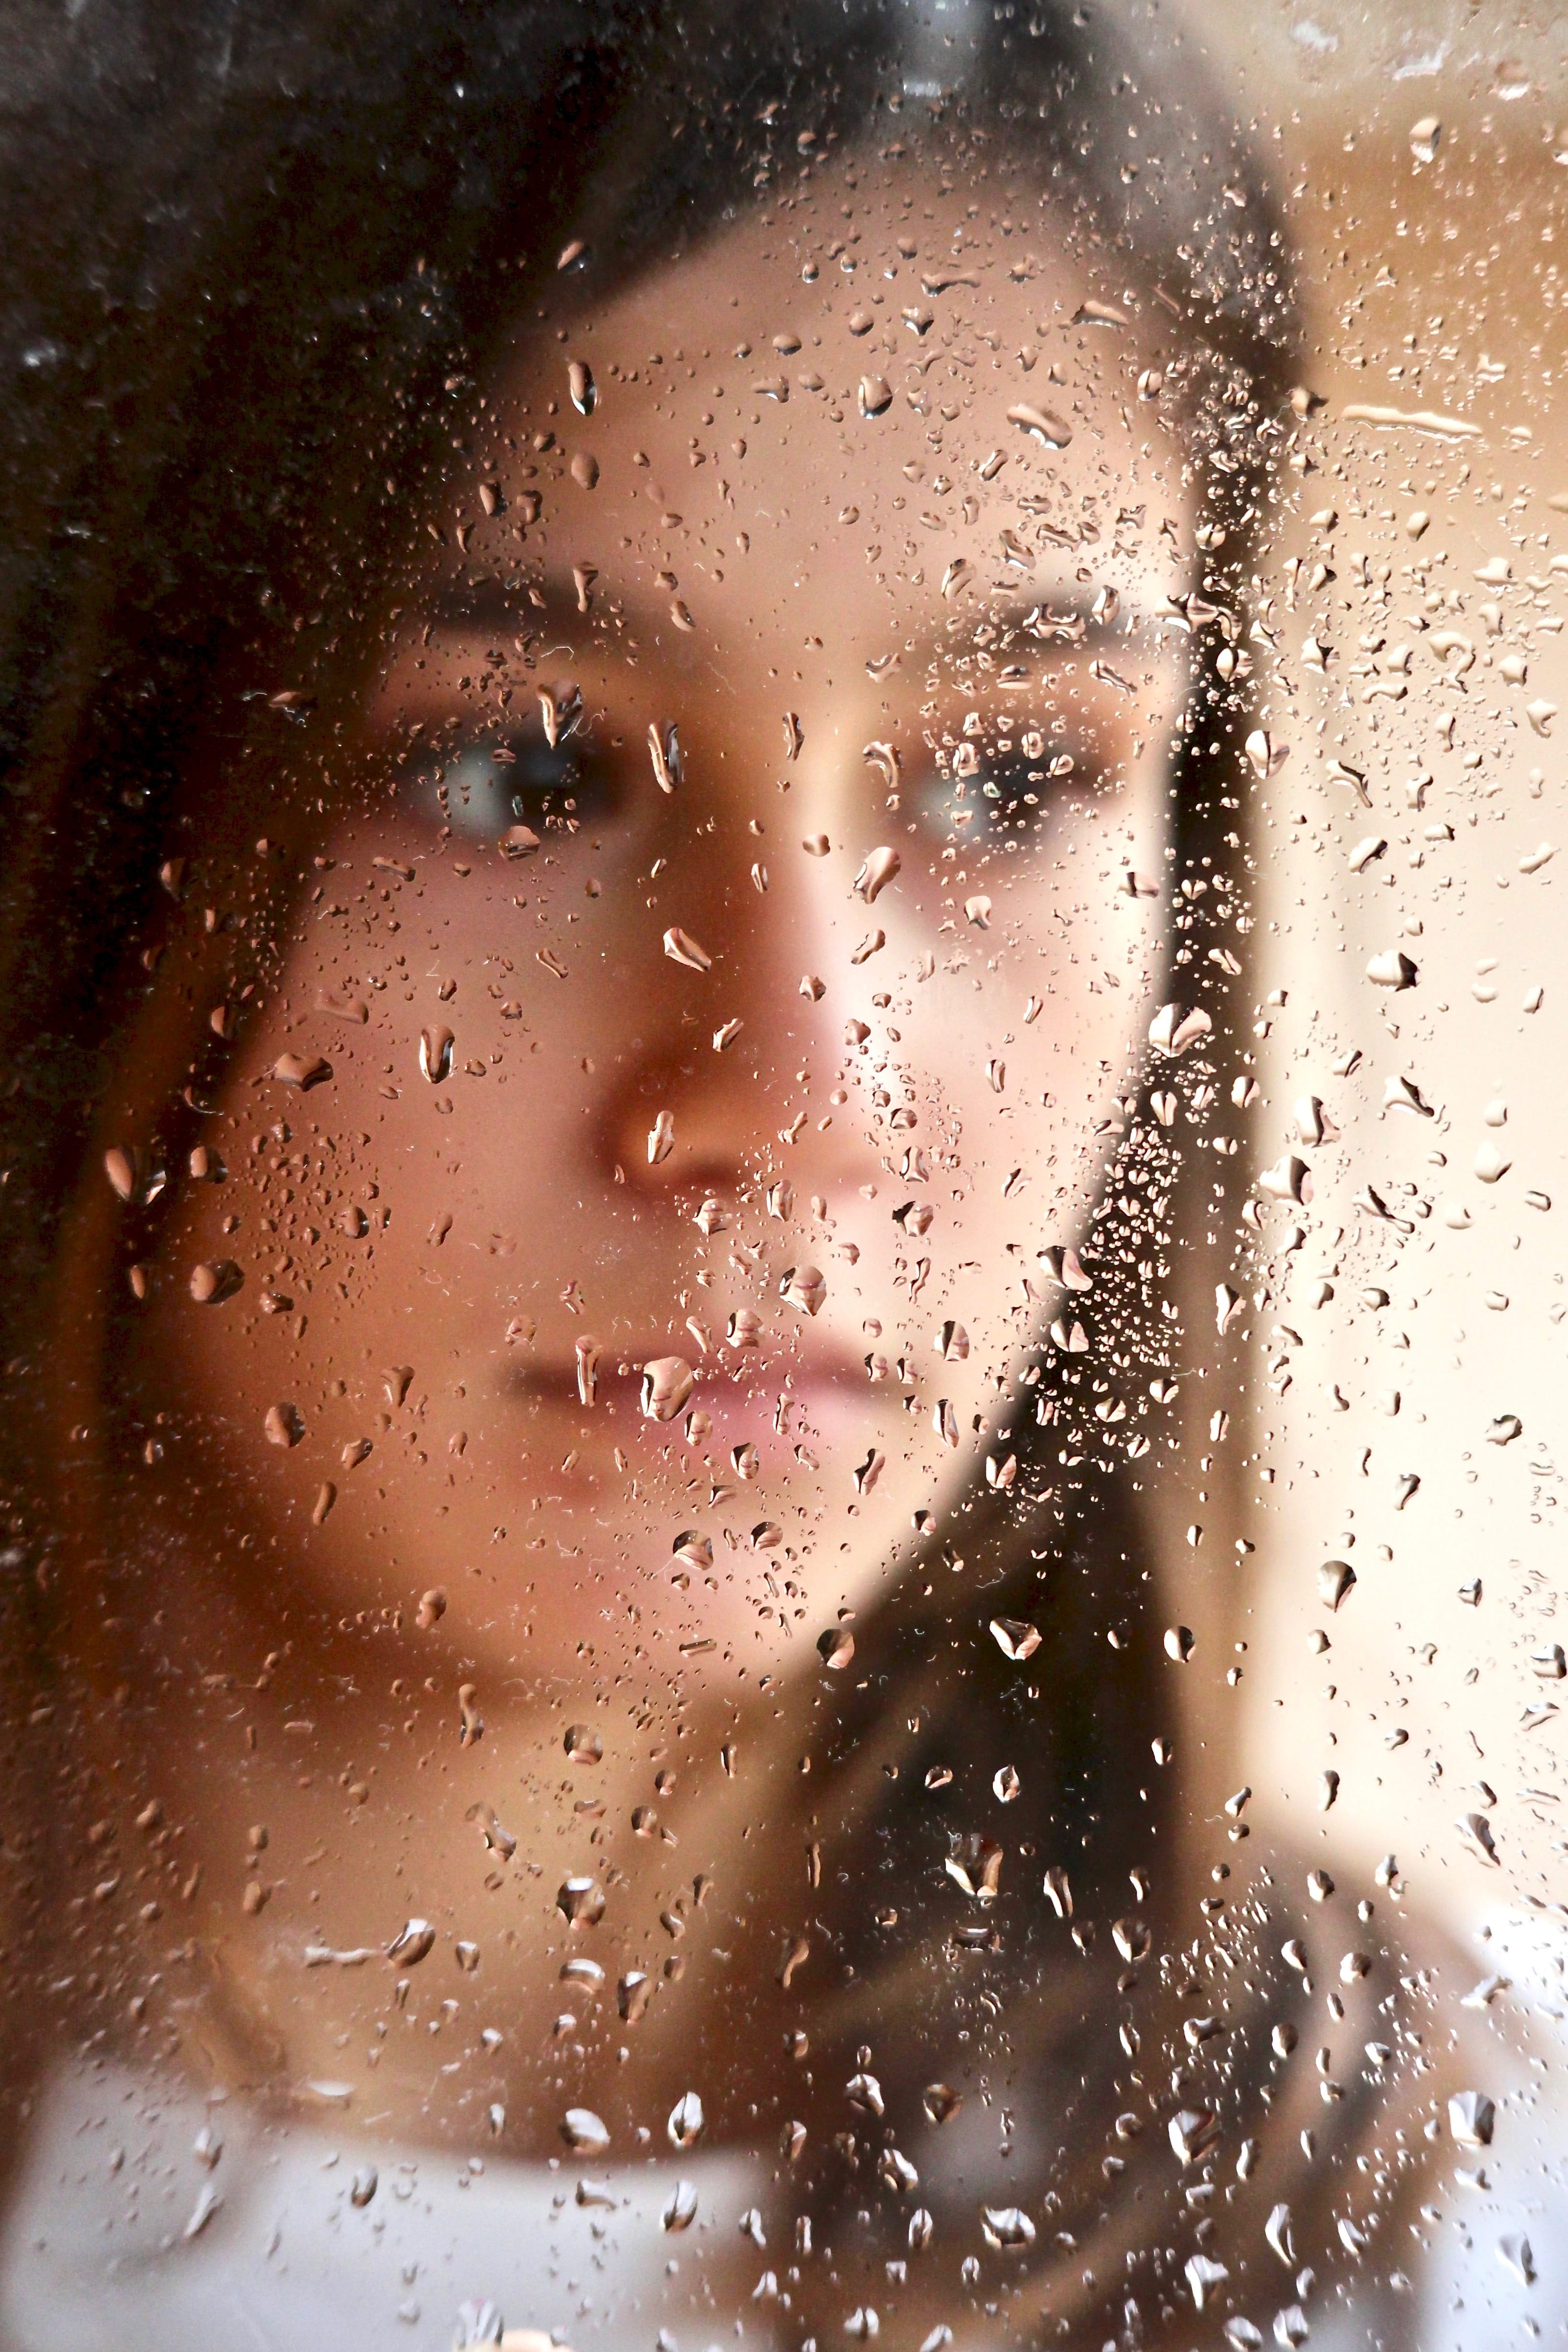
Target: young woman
[{"x": 626, "y": 884}]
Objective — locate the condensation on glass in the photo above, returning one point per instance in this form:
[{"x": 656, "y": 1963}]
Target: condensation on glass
[{"x": 784, "y": 1365}]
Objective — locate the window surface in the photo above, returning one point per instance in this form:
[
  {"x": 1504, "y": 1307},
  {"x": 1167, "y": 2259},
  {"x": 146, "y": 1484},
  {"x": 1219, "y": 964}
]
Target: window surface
[{"x": 782, "y": 1179}]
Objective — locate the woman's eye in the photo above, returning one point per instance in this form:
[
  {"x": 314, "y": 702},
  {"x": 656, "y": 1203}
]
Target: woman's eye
[
  {"x": 481, "y": 790},
  {"x": 1008, "y": 792}
]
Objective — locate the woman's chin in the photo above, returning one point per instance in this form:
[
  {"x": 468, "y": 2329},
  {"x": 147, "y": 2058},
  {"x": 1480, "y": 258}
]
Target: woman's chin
[{"x": 696, "y": 1570}]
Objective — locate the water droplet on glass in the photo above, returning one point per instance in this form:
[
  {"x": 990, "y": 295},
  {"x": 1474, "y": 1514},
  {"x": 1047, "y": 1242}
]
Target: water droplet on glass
[
  {"x": 134, "y": 1175},
  {"x": 682, "y": 948},
  {"x": 877, "y": 870},
  {"x": 583, "y": 2132},
  {"x": 1015, "y": 1638},
  {"x": 1476, "y": 1831},
  {"x": 682, "y": 2210},
  {"x": 865, "y": 2091},
  {"x": 667, "y": 1382},
  {"x": 1174, "y": 1032},
  {"x": 435, "y": 1054},
  {"x": 1040, "y": 425},
  {"x": 868, "y": 1472},
  {"x": 1288, "y": 1179},
  {"x": 207, "y": 2202},
  {"x": 1472, "y": 2117},
  {"x": 664, "y": 748},
  {"x": 1131, "y": 1938},
  {"x": 1516, "y": 2255},
  {"x": 1193, "y": 2131},
  {"x": 1266, "y": 752},
  {"x": 1391, "y": 969},
  {"x": 803, "y": 1288},
  {"x": 686, "y": 2121},
  {"x": 211, "y": 1284},
  {"x": 560, "y": 705},
  {"x": 283, "y": 1426},
  {"x": 1203, "y": 2274},
  {"x": 1006, "y": 2226},
  {"x": 411, "y": 1943},
  {"x": 581, "y": 1900},
  {"x": 301, "y": 1070}
]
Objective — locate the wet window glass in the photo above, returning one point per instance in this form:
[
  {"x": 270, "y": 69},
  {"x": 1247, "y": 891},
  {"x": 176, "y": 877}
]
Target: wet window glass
[{"x": 784, "y": 1311}]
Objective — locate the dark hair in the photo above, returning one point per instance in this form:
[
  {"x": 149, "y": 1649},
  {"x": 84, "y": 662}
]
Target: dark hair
[{"x": 269, "y": 246}]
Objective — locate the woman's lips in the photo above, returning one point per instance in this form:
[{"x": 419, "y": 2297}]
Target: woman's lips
[{"x": 747, "y": 1398}]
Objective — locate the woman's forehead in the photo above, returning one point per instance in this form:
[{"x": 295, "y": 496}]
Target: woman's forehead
[{"x": 953, "y": 411}]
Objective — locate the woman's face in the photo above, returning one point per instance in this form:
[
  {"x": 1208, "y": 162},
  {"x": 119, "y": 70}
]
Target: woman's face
[{"x": 758, "y": 766}]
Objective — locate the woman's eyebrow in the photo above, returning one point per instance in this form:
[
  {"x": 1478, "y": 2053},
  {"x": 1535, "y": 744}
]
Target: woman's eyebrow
[
  {"x": 1052, "y": 618},
  {"x": 494, "y": 608}
]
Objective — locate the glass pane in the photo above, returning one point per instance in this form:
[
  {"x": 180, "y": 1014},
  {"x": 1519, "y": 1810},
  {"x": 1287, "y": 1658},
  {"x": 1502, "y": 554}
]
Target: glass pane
[{"x": 784, "y": 1319}]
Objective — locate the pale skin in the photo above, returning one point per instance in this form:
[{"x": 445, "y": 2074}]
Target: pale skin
[{"x": 525, "y": 1215}]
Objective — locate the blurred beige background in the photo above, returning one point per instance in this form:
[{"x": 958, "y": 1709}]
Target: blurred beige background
[{"x": 1412, "y": 636}]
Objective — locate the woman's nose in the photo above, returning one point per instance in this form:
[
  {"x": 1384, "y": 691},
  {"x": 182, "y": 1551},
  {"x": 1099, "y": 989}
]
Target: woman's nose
[{"x": 718, "y": 1010}]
